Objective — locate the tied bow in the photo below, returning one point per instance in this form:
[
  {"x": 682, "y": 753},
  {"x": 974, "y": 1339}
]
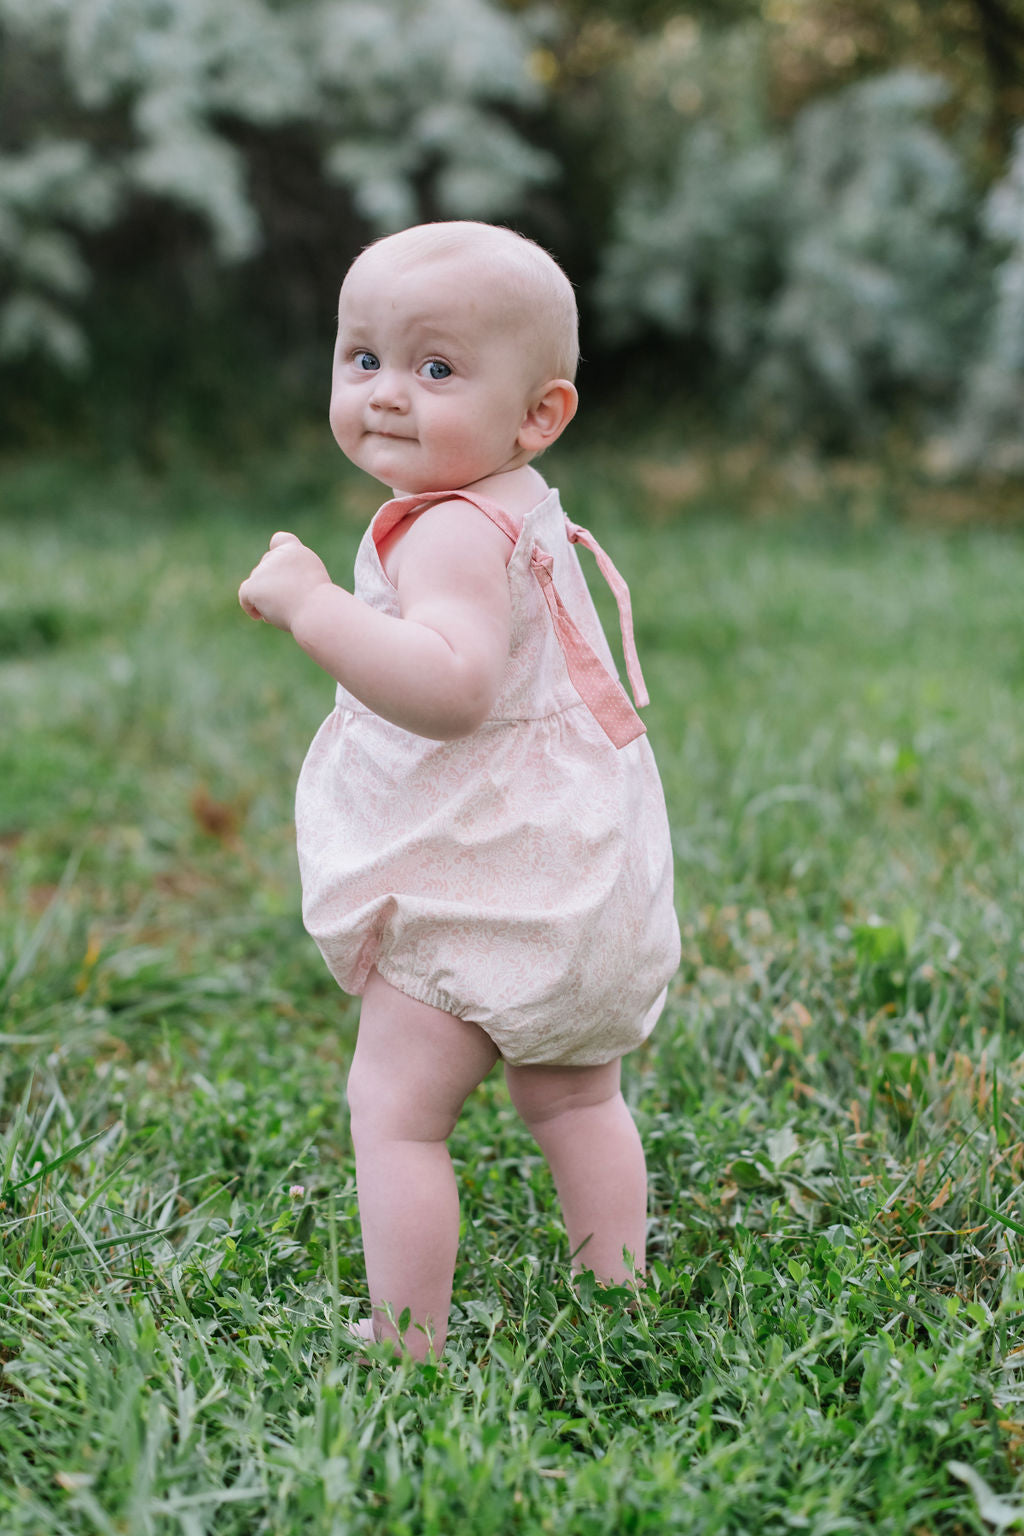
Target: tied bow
[{"x": 602, "y": 693}]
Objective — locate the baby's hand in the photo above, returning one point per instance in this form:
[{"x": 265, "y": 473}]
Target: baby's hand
[{"x": 282, "y": 581}]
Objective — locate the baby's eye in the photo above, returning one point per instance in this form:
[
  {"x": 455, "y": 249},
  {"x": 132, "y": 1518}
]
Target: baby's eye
[
  {"x": 366, "y": 360},
  {"x": 435, "y": 369}
]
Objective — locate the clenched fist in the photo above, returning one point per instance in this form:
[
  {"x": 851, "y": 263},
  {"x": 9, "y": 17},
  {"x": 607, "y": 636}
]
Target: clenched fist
[{"x": 283, "y": 580}]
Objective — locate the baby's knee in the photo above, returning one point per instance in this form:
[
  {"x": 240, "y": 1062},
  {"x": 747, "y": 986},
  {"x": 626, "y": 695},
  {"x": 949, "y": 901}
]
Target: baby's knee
[
  {"x": 387, "y": 1105},
  {"x": 359, "y": 1096},
  {"x": 374, "y": 1107},
  {"x": 541, "y": 1094}
]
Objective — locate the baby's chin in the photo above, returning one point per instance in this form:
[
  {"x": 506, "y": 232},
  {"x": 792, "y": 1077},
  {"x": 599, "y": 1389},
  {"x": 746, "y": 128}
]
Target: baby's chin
[
  {"x": 409, "y": 480},
  {"x": 423, "y": 485}
]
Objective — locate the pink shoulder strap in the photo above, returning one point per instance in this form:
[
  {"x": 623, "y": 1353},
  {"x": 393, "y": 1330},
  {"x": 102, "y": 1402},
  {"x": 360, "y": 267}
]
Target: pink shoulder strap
[
  {"x": 602, "y": 693},
  {"x": 394, "y": 512}
]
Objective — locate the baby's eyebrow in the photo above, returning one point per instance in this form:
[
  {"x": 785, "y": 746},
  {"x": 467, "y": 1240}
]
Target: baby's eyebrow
[
  {"x": 425, "y": 328},
  {"x": 447, "y": 347},
  {"x": 354, "y": 336}
]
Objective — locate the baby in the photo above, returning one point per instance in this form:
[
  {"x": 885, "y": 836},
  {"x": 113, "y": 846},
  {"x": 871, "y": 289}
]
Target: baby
[{"x": 482, "y": 836}]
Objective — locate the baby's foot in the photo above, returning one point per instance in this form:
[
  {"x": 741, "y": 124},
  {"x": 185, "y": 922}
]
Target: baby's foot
[{"x": 362, "y": 1329}]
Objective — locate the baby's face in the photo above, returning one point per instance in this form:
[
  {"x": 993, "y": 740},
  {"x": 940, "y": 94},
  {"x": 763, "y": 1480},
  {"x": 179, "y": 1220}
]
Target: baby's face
[{"x": 431, "y": 383}]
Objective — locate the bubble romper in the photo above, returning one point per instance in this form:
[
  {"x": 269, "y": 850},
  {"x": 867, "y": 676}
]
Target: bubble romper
[{"x": 519, "y": 877}]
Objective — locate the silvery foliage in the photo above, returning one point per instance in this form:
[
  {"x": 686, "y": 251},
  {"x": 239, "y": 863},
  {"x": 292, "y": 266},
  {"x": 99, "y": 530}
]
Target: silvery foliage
[
  {"x": 392, "y": 92},
  {"x": 697, "y": 222},
  {"x": 989, "y": 430},
  {"x": 426, "y": 101},
  {"x": 47, "y": 193},
  {"x": 877, "y": 265},
  {"x": 828, "y": 267}
]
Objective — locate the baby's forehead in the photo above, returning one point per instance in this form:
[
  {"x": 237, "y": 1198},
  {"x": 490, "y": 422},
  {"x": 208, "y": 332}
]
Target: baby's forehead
[
  {"x": 458, "y": 292},
  {"x": 511, "y": 266},
  {"x": 465, "y": 270}
]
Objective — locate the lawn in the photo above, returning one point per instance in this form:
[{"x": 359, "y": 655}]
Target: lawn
[{"x": 833, "y": 1103}]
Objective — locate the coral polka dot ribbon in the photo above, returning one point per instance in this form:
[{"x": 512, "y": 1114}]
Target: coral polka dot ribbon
[{"x": 602, "y": 693}]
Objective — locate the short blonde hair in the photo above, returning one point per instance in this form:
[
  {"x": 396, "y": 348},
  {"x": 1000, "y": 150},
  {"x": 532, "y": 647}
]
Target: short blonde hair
[{"x": 529, "y": 283}]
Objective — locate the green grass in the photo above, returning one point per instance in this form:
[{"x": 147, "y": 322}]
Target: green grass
[{"x": 833, "y": 1104}]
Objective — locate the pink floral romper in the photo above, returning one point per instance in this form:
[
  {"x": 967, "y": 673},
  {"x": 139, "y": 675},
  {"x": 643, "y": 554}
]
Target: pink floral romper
[{"x": 519, "y": 877}]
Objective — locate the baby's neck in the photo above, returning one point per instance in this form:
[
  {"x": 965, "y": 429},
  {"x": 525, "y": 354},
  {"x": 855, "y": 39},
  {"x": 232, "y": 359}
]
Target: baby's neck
[{"x": 517, "y": 490}]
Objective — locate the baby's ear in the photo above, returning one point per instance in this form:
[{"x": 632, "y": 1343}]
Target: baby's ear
[{"x": 548, "y": 416}]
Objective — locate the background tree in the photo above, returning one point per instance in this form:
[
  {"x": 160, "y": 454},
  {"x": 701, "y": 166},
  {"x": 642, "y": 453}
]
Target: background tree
[{"x": 788, "y": 209}]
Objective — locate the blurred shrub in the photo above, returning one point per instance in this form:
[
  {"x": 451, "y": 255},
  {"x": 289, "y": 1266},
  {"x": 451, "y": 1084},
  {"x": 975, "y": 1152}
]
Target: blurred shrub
[
  {"x": 404, "y": 104},
  {"x": 987, "y": 432},
  {"x": 828, "y": 268},
  {"x": 48, "y": 194},
  {"x": 879, "y": 287},
  {"x": 697, "y": 223},
  {"x": 182, "y": 181}
]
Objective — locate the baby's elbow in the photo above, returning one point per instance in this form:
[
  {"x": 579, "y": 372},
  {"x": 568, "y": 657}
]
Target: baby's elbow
[
  {"x": 464, "y": 710},
  {"x": 457, "y": 726}
]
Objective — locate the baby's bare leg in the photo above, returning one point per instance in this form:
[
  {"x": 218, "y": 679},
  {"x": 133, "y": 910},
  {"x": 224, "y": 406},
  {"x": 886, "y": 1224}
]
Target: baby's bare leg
[
  {"x": 583, "y": 1126},
  {"x": 412, "y": 1070}
]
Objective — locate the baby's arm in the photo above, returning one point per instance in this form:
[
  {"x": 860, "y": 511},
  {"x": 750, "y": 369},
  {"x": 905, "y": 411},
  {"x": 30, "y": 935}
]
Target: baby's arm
[{"x": 437, "y": 669}]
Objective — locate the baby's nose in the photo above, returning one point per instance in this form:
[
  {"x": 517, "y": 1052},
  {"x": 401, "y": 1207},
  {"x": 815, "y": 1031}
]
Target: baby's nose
[{"x": 389, "y": 392}]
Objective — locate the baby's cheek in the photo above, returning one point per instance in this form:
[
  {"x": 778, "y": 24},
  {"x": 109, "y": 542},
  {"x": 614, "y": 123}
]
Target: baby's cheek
[{"x": 339, "y": 416}]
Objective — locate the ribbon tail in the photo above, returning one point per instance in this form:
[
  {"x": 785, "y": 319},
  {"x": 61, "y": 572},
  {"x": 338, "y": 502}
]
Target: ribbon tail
[
  {"x": 603, "y": 695},
  {"x": 620, "y": 591}
]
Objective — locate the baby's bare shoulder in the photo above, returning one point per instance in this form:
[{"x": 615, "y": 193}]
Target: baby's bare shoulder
[{"x": 455, "y": 529}]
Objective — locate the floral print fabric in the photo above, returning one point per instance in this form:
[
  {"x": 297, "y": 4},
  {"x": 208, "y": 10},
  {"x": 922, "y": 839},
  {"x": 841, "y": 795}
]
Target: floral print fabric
[{"x": 519, "y": 877}]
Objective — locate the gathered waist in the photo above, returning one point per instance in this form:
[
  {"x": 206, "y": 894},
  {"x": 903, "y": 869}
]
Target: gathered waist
[{"x": 346, "y": 703}]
